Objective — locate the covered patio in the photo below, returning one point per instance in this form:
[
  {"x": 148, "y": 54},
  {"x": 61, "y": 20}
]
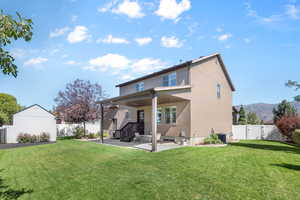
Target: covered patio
[{"x": 151, "y": 98}]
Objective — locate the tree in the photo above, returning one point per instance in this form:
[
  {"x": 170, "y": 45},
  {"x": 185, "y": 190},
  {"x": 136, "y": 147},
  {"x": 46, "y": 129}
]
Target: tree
[
  {"x": 8, "y": 107},
  {"x": 296, "y": 85},
  {"x": 284, "y": 109},
  {"x": 242, "y": 118},
  {"x": 11, "y": 29},
  {"x": 287, "y": 125},
  {"x": 252, "y": 118},
  {"x": 77, "y": 103}
]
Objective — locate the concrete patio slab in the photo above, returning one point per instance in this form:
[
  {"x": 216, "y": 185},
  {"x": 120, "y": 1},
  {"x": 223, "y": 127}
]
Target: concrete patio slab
[{"x": 139, "y": 145}]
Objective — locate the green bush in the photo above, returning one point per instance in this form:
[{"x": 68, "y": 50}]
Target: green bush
[
  {"x": 212, "y": 139},
  {"x": 44, "y": 137},
  {"x": 24, "y": 138},
  {"x": 92, "y": 135},
  {"x": 78, "y": 132},
  {"x": 296, "y": 136},
  {"x": 34, "y": 138},
  {"x": 27, "y": 138},
  {"x": 65, "y": 137}
]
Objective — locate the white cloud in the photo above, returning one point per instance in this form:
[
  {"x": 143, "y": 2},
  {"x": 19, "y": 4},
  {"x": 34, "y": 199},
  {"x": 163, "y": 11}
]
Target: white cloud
[
  {"x": 54, "y": 51},
  {"x": 170, "y": 9},
  {"x": 74, "y": 18},
  {"x": 107, "y": 7},
  {"x": 113, "y": 40},
  {"x": 261, "y": 19},
  {"x": 80, "y": 33},
  {"x": 126, "y": 77},
  {"x": 147, "y": 65},
  {"x": 107, "y": 61},
  {"x": 64, "y": 55},
  {"x": 35, "y": 61},
  {"x": 171, "y": 42},
  {"x": 59, "y": 32},
  {"x": 292, "y": 11},
  {"x": 228, "y": 46},
  {"x": 71, "y": 62},
  {"x": 143, "y": 41},
  {"x": 117, "y": 64},
  {"x": 224, "y": 37},
  {"x": 247, "y": 40},
  {"x": 130, "y": 8},
  {"x": 18, "y": 53}
]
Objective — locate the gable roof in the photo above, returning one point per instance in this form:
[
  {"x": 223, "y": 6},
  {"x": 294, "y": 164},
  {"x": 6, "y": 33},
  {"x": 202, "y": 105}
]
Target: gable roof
[
  {"x": 185, "y": 64},
  {"x": 33, "y": 106}
]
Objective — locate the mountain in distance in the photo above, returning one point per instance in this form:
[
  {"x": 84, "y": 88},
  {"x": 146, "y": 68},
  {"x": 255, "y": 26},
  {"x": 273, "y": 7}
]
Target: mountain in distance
[{"x": 264, "y": 110}]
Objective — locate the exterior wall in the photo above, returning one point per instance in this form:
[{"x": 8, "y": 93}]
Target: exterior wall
[
  {"x": 123, "y": 115},
  {"x": 33, "y": 120},
  {"x": 207, "y": 111},
  {"x": 182, "y": 119},
  {"x": 157, "y": 81}
]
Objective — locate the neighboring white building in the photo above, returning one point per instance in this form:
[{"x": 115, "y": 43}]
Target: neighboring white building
[{"x": 33, "y": 120}]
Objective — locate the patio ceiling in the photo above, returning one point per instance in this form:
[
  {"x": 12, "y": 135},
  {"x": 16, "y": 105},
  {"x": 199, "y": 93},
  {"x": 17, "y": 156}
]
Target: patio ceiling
[{"x": 144, "y": 98}]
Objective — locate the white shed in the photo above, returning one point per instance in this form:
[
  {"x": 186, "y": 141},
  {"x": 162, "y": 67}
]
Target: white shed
[{"x": 33, "y": 120}]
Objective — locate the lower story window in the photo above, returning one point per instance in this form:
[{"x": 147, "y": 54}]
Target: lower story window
[
  {"x": 170, "y": 113},
  {"x": 159, "y": 115}
]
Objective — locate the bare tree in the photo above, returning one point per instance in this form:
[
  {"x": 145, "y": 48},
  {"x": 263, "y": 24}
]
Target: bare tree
[{"x": 77, "y": 103}]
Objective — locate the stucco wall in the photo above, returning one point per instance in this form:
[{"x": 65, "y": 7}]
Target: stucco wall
[
  {"x": 207, "y": 111},
  {"x": 123, "y": 115},
  {"x": 182, "y": 119},
  {"x": 32, "y": 121},
  {"x": 157, "y": 81}
]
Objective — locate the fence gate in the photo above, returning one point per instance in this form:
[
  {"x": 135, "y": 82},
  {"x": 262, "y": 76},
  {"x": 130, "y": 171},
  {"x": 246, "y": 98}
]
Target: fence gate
[{"x": 3, "y": 136}]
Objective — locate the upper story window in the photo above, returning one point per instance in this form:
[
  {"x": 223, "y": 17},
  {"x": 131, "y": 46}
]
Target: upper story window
[
  {"x": 139, "y": 86},
  {"x": 170, "y": 79},
  {"x": 219, "y": 91}
]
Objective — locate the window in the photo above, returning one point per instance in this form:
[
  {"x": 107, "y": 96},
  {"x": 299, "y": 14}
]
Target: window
[
  {"x": 139, "y": 86},
  {"x": 159, "y": 115},
  {"x": 170, "y": 115},
  {"x": 170, "y": 79},
  {"x": 218, "y": 91}
]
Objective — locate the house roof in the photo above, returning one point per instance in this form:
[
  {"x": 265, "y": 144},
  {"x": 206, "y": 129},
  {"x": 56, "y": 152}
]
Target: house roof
[
  {"x": 185, "y": 64},
  {"x": 33, "y": 106}
]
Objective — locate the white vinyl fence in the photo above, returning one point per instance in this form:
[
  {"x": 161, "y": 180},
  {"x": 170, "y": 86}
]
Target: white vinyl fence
[
  {"x": 256, "y": 132},
  {"x": 67, "y": 129}
]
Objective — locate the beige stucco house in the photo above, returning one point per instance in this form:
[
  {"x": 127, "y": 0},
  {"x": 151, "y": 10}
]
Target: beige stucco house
[{"x": 190, "y": 100}]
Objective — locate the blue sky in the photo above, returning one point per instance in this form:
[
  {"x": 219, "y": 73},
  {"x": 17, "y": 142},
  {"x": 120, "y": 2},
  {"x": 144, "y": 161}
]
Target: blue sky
[{"x": 110, "y": 42}]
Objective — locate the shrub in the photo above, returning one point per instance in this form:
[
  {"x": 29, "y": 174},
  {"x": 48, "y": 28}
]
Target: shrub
[
  {"x": 92, "y": 135},
  {"x": 296, "y": 136},
  {"x": 44, "y": 137},
  {"x": 34, "y": 138},
  {"x": 78, "y": 132},
  {"x": 24, "y": 138},
  {"x": 65, "y": 137},
  {"x": 287, "y": 125},
  {"x": 212, "y": 139}
]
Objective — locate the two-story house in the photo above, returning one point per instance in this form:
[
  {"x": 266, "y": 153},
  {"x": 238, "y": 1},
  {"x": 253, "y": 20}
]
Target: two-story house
[{"x": 190, "y": 100}]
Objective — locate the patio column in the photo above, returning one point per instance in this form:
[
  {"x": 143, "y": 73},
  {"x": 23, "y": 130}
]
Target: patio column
[
  {"x": 154, "y": 121},
  {"x": 101, "y": 122}
]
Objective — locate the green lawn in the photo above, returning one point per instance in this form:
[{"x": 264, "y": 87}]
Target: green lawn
[{"x": 82, "y": 170}]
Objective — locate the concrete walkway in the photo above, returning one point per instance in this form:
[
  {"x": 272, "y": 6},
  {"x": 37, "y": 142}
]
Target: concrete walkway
[{"x": 139, "y": 145}]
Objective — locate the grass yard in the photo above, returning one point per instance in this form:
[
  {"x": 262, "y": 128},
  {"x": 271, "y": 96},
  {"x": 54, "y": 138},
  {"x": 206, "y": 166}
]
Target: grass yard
[{"x": 83, "y": 170}]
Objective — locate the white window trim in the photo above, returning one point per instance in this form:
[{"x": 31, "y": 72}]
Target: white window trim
[{"x": 171, "y": 119}]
